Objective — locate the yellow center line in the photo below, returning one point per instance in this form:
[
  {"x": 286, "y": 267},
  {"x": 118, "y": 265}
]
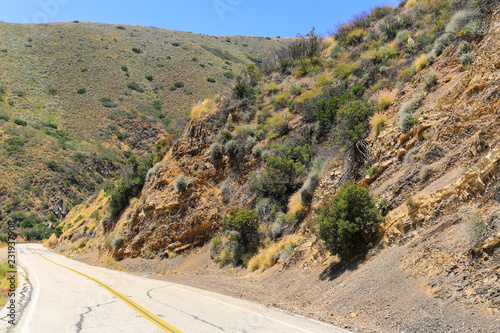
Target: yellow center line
[{"x": 148, "y": 315}]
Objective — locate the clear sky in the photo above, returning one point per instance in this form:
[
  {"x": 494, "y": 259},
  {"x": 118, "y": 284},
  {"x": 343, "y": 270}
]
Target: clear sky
[{"x": 270, "y": 18}]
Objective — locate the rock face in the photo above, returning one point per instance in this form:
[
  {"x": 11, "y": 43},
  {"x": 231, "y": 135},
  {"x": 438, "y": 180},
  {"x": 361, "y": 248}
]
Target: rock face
[
  {"x": 168, "y": 220},
  {"x": 59, "y": 208}
]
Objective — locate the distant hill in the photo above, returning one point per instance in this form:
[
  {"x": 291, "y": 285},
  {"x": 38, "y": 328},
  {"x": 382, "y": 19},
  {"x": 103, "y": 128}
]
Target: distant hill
[{"x": 75, "y": 96}]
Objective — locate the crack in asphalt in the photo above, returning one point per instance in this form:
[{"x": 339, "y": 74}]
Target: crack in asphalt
[
  {"x": 89, "y": 310},
  {"x": 186, "y": 313}
]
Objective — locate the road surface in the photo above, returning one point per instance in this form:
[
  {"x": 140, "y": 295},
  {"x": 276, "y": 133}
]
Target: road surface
[{"x": 63, "y": 295}]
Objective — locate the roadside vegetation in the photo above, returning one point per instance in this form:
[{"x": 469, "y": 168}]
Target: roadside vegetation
[{"x": 358, "y": 73}]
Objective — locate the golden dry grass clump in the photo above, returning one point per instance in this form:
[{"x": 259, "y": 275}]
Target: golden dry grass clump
[
  {"x": 384, "y": 98},
  {"x": 421, "y": 62},
  {"x": 267, "y": 258},
  {"x": 207, "y": 106},
  {"x": 378, "y": 122}
]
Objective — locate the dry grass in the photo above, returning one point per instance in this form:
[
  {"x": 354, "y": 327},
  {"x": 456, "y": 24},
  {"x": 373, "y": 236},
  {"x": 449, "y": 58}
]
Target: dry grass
[
  {"x": 51, "y": 242},
  {"x": 308, "y": 95},
  {"x": 421, "y": 62},
  {"x": 267, "y": 258},
  {"x": 384, "y": 98},
  {"x": 295, "y": 205},
  {"x": 205, "y": 107},
  {"x": 378, "y": 122}
]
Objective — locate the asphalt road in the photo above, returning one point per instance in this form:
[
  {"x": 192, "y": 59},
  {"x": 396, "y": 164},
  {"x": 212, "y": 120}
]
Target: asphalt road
[{"x": 63, "y": 295}]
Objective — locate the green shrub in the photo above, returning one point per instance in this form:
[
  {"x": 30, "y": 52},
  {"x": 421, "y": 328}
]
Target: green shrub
[
  {"x": 20, "y": 122},
  {"x": 229, "y": 75},
  {"x": 120, "y": 27},
  {"x": 37, "y": 233},
  {"x": 463, "y": 47},
  {"x": 236, "y": 251},
  {"x": 81, "y": 91},
  {"x": 257, "y": 151},
  {"x": 352, "y": 121},
  {"x": 480, "y": 224},
  {"x": 296, "y": 90},
  {"x": 179, "y": 84},
  {"x": 324, "y": 80},
  {"x": 244, "y": 222},
  {"x": 476, "y": 28},
  {"x": 107, "y": 103},
  {"x": 215, "y": 150},
  {"x": 429, "y": 82},
  {"x": 5, "y": 117},
  {"x": 373, "y": 171},
  {"x": 308, "y": 188},
  {"x": 347, "y": 224},
  {"x": 124, "y": 68},
  {"x": 211, "y": 80},
  {"x": 180, "y": 183},
  {"x": 278, "y": 226},
  {"x": 58, "y": 231},
  {"x": 407, "y": 121},
  {"x": 279, "y": 178},
  {"x": 129, "y": 186},
  {"x": 15, "y": 144},
  {"x": 356, "y": 36},
  {"x": 232, "y": 148},
  {"x": 281, "y": 100},
  {"x": 117, "y": 241},
  {"x": 152, "y": 172},
  {"x": 250, "y": 142},
  {"x": 410, "y": 202},
  {"x": 148, "y": 254},
  {"x": 149, "y": 77},
  {"x": 466, "y": 59},
  {"x": 215, "y": 246},
  {"x": 266, "y": 209},
  {"x": 272, "y": 88},
  {"x": 137, "y": 50},
  {"x": 135, "y": 86},
  {"x": 105, "y": 222},
  {"x": 157, "y": 105},
  {"x": 224, "y": 187},
  {"x": 439, "y": 47},
  {"x": 344, "y": 69},
  {"x": 426, "y": 173}
]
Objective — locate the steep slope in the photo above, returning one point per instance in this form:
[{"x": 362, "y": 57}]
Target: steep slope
[
  {"x": 431, "y": 160},
  {"x": 75, "y": 96}
]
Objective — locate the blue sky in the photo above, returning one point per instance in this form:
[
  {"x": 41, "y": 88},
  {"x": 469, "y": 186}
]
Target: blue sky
[{"x": 271, "y": 18}]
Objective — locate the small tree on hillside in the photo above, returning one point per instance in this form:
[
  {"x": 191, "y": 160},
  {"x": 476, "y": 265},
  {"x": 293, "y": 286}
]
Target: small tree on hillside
[
  {"x": 352, "y": 121},
  {"x": 245, "y": 225},
  {"x": 347, "y": 223}
]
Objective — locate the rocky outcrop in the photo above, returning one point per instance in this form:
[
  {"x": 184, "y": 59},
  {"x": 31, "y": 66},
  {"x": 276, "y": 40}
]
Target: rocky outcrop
[{"x": 167, "y": 220}]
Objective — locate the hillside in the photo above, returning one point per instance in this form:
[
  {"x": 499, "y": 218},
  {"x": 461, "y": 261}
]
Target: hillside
[
  {"x": 74, "y": 97},
  {"x": 397, "y": 112}
]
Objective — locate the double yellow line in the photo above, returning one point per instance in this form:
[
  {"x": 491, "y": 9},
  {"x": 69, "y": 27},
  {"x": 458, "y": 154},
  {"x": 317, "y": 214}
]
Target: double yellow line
[{"x": 145, "y": 313}]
